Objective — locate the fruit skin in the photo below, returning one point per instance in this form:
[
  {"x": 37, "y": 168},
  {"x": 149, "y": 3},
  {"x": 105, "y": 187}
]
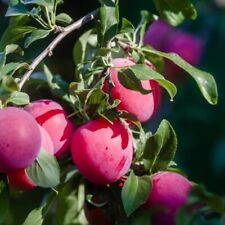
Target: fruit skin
[
  {"x": 19, "y": 179},
  {"x": 51, "y": 116},
  {"x": 169, "y": 193},
  {"x": 102, "y": 151},
  {"x": 142, "y": 106},
  {"x": 20, "y": 139},
  {"x": 157, "y": 34}
]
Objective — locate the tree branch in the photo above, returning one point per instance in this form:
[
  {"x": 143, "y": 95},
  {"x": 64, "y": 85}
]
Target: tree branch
[{"x": 48, "y": 51}]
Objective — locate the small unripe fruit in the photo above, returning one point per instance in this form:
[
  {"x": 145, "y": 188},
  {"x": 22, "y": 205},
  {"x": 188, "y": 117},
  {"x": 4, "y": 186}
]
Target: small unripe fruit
[
  {"x": 20, "y": 139},
  {"x": 143, "y": 106},
  {"x": 51, "y": 116},
  {"x": 102, "y": 151},
  {"x": 169, "y": 193},
  {"x": 19, "y": 179}
]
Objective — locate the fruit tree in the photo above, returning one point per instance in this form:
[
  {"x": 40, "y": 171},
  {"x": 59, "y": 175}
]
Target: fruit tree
[{"x": 78, "y": 145}]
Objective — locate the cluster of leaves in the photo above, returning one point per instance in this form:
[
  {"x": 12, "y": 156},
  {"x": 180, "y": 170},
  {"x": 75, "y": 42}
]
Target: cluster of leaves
[
  {"x": 93, "y": 52},
  {"x": 43, "y": 12}
]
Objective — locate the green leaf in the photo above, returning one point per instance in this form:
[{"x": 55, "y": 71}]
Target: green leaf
[
  {"x": 175, "y": 11},
  {"x": 58, "y": 86},
  {"x": 17, "y": 10},
  {"x": 67, "y": 205},
  {"x": 19, "y": 98},
  {"x": 128, "y": 79},
  {"x": 141, "y": 143},
  {"x": 144, "y": 72},
  {"x": 12, "y": 48},
  {"x": 95, "y": 97},
  {"x": 135, "y": 192},
  {"x": 45, "y": 170},
  {"x": 37, "y": 216},
  {"x": 4, "y": 200},
  {"x": 12, "y": 67},
  {"x": 36, "y": 35},
  {"x": 127, "y": 26},
  {"x": 70, "y": 204},
  {"x": 160, "y": 148},
  {"x": 169, "y": 146},
  {"x": 99, "y": 102},
  {"x": 146, "y": 18},
  {"x": 9, "y": 84},
  {"x": 204, "y": 80},
  {"x": 202, "y": 207},
  {"x": 108, "y": 24},
  {"x": 198, "y": 194},
  {"x": 49, "y": 4},
  {"x": 83, "y": 47},
  {"x": 152, "y": 149},
  {"x": 15, "y": 31},
  {"x": 64, "y": 19}
]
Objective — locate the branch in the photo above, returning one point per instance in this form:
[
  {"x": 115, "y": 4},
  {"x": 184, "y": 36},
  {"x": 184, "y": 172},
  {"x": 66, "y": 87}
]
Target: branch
[{"x": 48, "y": 51}]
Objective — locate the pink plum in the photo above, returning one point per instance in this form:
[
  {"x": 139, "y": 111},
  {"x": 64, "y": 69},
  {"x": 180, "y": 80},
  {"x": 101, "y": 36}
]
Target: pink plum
[
  {"x": 142, "y": 106},
  {"x": 157, "y": 34},
  {"x": 19, "y": 179},
  {"x": 186, "y": 45},
  {"x": 20, "y": 139},
  {"x": 169, "y": 193},
  {"x": 51, "y": 116},
  {"x": 164, "y": 37},
  {"x": 102, "y": 151}
]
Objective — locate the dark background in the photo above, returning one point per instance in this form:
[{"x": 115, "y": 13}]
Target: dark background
[{"x": 200, "y": 127}]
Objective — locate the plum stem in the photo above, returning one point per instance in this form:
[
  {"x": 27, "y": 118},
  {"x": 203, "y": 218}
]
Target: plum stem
[{"x": 49, "y": 49}]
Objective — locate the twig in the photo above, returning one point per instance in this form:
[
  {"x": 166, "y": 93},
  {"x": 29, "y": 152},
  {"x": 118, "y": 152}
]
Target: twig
[{"x": 48, "y": 51}]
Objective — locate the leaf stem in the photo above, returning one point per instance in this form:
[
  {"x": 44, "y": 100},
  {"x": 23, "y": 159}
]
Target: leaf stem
[
  {"x": 48, "y": 17},
  {"x": 41, "y": 22},
  {"x": 48, "y": 50}
]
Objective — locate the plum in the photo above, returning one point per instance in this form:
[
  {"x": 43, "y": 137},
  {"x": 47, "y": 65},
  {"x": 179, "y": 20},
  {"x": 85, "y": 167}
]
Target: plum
[
  {"x": 51, "y": 116},
  {"x": 102, "y": 151},
  {"x": 143, "y": 106},
  {"x": 20, "y": 139},
  {"x": 169, "y": 193},
  {"x": 19, "y": 179},
  {"x": 186, "y": 45},
  {"x": 164, "y": 37}
]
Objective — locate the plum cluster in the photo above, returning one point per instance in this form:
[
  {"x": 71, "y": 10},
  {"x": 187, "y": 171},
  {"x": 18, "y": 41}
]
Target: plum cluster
[
  {"x": 101, "y": 150},
  {"x": 24, "y": 132}
]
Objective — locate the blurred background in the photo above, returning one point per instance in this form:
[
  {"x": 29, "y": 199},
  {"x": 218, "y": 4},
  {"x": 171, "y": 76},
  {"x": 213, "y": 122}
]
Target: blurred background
[{"x": 200, "y": 127}]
